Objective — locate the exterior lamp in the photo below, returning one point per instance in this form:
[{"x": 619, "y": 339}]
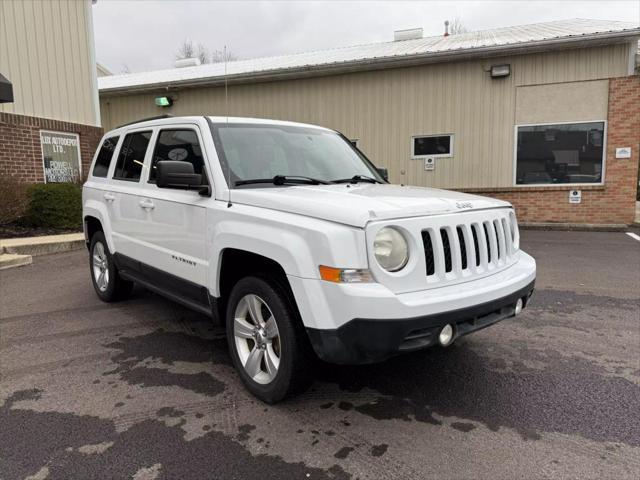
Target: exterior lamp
[
  {"x": 498, "y": 71},
  {"x": 164, "y": 101}
]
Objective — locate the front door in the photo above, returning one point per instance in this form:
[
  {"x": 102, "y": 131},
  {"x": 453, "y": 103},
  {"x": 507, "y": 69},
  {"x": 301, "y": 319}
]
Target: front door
[{"x": 175, "y": 227}]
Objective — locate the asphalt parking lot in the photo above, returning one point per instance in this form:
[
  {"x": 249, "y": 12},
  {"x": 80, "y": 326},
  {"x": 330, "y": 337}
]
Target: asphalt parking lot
[{"x": 144, "y": 389}]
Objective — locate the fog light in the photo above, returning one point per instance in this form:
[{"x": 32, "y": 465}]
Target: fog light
[
  {"x": 446, "y": 335},
  {"x": 519, "y": 306}
]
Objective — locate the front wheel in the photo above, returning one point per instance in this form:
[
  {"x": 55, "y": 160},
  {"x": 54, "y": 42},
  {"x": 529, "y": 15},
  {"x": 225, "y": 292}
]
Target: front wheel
[
  {"x": 266, "y": 340},
  {"x": 105, "y": 277}
]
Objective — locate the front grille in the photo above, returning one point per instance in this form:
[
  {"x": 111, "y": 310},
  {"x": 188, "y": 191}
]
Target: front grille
[{"x": 472, "y": 247}]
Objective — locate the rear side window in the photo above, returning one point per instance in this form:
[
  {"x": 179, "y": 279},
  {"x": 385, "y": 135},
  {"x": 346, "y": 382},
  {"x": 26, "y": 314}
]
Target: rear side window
[
  {"x": 177, "y": 145},
  {"x": 105, "y": 154},
  {"x": 131, "y": 156}
]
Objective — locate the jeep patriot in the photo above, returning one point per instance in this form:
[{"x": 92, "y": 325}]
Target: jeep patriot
[{"x": 290, "y": 237}]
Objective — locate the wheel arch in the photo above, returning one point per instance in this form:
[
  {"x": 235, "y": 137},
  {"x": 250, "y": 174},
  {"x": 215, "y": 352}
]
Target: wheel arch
[
  {"x": 237, "y": 263},
  {"x": 94, "y": 215}
]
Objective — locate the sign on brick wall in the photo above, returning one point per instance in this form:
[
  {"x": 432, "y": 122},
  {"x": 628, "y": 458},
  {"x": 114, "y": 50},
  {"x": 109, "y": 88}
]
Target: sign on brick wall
[{"x": 61, "y": 157}]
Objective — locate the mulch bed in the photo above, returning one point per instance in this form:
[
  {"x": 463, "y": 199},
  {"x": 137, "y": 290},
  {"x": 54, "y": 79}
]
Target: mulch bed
[{"x": 12, "y": 230}]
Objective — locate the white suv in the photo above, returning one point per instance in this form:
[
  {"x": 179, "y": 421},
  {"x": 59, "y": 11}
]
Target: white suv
[{"x": 290, "y": 236}]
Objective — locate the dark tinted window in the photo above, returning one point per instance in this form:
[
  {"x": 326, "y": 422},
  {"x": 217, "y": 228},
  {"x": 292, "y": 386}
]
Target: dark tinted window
[
  {"x": 131, "y": 156},
  {"x": 104, "y": 157},
  {"x": 178, "y": 145},
  {"x": 432, "y": 145},
  {"x": 563, "y": 153}
]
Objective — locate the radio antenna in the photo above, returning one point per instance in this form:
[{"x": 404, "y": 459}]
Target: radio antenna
[{"x": 226, "y": 111}]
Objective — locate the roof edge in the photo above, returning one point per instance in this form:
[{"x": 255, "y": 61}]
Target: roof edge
[{"x": 380, "y": 63}]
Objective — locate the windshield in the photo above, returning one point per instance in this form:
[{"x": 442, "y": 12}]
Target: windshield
[{"x": 267, "y": 151}]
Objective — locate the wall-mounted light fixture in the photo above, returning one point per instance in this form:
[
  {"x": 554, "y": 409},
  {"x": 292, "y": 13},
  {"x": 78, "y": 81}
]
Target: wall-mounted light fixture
[
  {"x": 498, "y": 71},
  {"x": 163, "y": 101}
]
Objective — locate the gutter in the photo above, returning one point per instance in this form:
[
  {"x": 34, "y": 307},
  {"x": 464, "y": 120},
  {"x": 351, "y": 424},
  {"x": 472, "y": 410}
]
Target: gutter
[{"x": 379, "y": 63}]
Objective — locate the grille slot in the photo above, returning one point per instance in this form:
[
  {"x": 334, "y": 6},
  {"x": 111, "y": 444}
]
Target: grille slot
[
  {"x": 476, "y": 246},
  {"x": 463, "y": 248},
  {"x": 446, "y": 247},
  {"x": 428, "y": 252},
  {"x": 495, "y": 229},
  {"x": 486, "y": 236},
  {"x": 508, "y": 240}
]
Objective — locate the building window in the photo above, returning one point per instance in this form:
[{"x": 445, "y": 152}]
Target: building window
[
  {"x": 103, "y": 160},
  {"x": 432, "y": 146},
  {"x": 560, "y": 153},
  {"x": 180, "y": 146},
  {"x": 131, "y": 156}
]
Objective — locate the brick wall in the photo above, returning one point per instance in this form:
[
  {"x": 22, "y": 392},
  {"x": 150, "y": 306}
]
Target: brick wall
[
  {"x": 611, "y": 203},
  {"x": 20, "y": 152}
]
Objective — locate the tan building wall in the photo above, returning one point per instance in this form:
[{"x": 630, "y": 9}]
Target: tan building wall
[
  {"x": 385, "y": 108},
  {"x": 46, "y": 51}
]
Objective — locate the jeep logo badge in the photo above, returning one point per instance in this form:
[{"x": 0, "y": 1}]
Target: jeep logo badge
[{"x": 464, "y": 205}]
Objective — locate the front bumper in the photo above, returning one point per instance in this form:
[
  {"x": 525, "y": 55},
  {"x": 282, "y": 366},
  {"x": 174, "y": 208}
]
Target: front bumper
[
  {"x": 371, "y": 340},
  {"x": 364, "y": 323}
]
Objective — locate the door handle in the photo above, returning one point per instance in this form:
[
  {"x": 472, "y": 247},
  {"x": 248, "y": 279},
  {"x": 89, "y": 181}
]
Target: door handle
[
  {"x": 109, "y": 197},
  {"x": 147, "y": 204}
]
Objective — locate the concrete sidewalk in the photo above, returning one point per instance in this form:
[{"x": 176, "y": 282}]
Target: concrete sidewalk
[{"x": 16, "y": 252}]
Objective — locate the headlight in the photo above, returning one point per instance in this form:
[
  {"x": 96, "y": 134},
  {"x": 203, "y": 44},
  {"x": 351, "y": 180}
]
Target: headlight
[{"x": 391, "y": 249}]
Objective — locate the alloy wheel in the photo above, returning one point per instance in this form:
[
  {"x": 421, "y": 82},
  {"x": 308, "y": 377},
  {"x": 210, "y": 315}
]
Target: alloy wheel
[
  {"x": 100, "y": 266},
  {"x": 257, "y": 338}
]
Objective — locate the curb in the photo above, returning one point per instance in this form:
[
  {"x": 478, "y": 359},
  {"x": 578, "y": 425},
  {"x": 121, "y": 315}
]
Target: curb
[
  {"x": 576, "y": 227},
  {"x": 10, "y": 260},
  {"x": 44, "y": 245}
]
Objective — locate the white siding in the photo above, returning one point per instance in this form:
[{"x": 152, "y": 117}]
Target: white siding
[{"x": 46, "y": 51}]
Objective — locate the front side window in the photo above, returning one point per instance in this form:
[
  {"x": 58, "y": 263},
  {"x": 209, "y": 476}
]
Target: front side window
[
  {"x": 105, "y": 154},
  {"x": 561, "y": 153},
  {"x": 432, "y": 146},
  {"x": 177, "y": 145},
  {"x": 131, "y": 156},
  {"x": 265, "y": 151}
]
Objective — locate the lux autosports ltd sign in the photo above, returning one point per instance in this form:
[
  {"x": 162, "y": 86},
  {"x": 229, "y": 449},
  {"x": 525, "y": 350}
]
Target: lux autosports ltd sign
[{"x": 60, "y": 156}]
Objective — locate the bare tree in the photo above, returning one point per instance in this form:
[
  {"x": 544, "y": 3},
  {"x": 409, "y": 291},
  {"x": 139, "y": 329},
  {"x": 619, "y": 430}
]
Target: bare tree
[
  {"x": 218, "y": 56},
  {"x": 188, "y": 49},
  {"x": 457, "y": 27},
  {"x": 125, "y": 69}
]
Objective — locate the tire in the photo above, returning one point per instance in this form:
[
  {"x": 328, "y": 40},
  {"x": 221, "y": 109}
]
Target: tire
[
  {"x": 287, "y": 342},
  {"x": 107, "y": 282}
]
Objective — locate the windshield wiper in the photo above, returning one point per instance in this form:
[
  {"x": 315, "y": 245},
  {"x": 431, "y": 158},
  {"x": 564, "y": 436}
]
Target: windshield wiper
[
  {"x": 356, "y": 179},
  {"x": 283, "y": 179}
]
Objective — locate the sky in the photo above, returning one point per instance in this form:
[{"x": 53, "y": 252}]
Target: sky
[{"x": 144, "y": 35}]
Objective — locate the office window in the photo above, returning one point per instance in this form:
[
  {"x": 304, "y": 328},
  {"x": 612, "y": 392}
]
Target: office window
[
  {"x": 432, "y": 146},
  {"x": 131, "y": 156},
  {"x": 105, "y": 154},
  {"x": 561, "y": 153},
  {"x": 177, "y": 145}
]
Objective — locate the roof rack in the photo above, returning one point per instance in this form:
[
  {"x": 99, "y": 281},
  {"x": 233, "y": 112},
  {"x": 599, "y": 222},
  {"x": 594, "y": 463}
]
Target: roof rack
[{"x": 157, "y": 117}]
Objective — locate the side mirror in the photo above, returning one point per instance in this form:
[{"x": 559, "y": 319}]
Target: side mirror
[
  {"x": 384, "y": 173},
  {"x": 174, "y": 174}
]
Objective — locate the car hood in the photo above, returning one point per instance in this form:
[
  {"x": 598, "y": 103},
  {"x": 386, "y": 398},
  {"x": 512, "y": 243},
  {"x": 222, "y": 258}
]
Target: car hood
[{"x": 358, "y": 204}]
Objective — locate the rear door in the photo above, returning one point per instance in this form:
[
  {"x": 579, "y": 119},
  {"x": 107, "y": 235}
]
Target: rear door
[
  {"x": 175, "y": 219},
  {"x": 126, "y": 211}
]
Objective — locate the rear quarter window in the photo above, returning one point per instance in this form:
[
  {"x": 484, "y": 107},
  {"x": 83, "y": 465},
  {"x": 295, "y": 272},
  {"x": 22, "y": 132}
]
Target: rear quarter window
[{"x": 105, "y": 155}]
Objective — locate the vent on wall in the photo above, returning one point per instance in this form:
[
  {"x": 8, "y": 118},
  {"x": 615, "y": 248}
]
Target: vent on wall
[{"x": 409, "y": 34}]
